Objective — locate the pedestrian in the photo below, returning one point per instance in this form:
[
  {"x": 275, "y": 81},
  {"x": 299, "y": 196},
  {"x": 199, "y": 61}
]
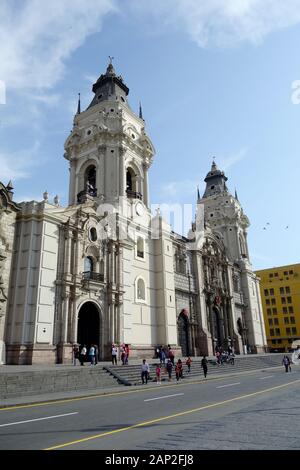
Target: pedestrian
[
  {"x": 145, "y": 369},
  {"x": 158, "y": 374},
  {"x": 127, "y": 350},
  {"x": 231, "y": 358},
  {"x": 114, "y": 354},
  {"x": 218, "y": 357},
  {"x": 171, "y": 355},
  {"x": 82, "y": 356},
  {"x": 92, "y": 355},
  {"x": 178, "y": 370},
  {"x": 162, "y": 356},
  {"x": 123, "y": 354},
  {"x": 75, "y": 354},
  {"x": 287, "y": 363},
  {"x": 96, "y": 354},
  {"x": 169, "y": 368},
  {"x": 188, "y": 363},
  {"x": 204, "y": 366}
]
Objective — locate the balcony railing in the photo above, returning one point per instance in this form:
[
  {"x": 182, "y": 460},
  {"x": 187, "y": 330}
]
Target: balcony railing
[
  {"x": 134, "y": 194},
  {"x": 91, "y": 276},
  {"x": 82, "y": 196}
]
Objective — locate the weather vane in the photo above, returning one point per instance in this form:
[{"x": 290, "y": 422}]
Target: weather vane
[{"x": 110, "y": 59}]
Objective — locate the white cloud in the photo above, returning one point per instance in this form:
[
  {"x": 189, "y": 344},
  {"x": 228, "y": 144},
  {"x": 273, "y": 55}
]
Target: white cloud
[
  {"x": 222, "y": 22},
  {"x": 17, "y": 165},
  {"x": 37, "y": 37}
]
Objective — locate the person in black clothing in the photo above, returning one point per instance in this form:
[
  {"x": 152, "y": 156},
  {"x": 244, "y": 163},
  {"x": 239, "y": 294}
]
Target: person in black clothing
[{"x": 204, "y": 366}]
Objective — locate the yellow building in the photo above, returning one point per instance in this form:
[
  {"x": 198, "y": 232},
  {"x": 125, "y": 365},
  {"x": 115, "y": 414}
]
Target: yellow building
[{"x": 280, "y": 294}]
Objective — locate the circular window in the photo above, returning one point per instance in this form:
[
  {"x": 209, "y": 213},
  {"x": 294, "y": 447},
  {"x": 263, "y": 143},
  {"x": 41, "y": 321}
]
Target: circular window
[
  {"x": 93, "y": 234},
  {"x": 112, "y": 110}
]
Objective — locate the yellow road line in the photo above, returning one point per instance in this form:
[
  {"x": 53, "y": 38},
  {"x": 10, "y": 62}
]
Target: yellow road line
[
  {"x": 91, "y": 397},
  {"x": 182, "y": 413}
]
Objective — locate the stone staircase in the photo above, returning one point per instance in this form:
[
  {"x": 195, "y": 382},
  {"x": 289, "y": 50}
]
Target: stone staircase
[
  {"x": 45, "y": 381},
  {"x": 131, "y": 374}
]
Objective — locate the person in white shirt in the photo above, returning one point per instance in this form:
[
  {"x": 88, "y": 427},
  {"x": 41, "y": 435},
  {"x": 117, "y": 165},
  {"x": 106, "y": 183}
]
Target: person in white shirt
[
  {"x": 114, "y": 354},
  {"x": 145, "y": 369}
]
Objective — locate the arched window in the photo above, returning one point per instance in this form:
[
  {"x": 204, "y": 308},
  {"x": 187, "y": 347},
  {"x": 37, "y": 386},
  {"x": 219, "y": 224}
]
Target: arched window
[
  {"x": 140, "y": 247},
  {"x": 88, "y": 264},
  {"x": 141, "y": 289},
  {"x": 243, "y": 246},
  {"x": 93, "y": 234},
  {"x": 90, "y": 180},
  {"x": 130, "y": 180}
]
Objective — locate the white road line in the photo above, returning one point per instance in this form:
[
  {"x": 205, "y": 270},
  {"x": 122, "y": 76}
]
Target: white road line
[
  {"x": 229, "y": 385},
  {"x": 166, "y": 396},
  {"x": 267, "y": 377},
  {"x": 38, "y": 419}
]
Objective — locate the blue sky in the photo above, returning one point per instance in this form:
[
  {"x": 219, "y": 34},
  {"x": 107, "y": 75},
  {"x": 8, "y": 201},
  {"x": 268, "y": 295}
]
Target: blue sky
[{"x": 214, "y": 80}]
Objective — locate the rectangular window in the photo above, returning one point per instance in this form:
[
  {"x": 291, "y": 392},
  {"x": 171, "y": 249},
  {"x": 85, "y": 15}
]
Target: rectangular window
[
  {"x": 292, "y": 320},
  {"x": 275, "y": 321},
  {"x": 291, "y": 272},
  {"x": 273, "y": 341},
  {"x": 286, "y": 273},
  {"x": 285, "y": 310},
  {"x": 289, "y": 300},
  {"x": 267, "y": 301},
  {"x": 276, "y": 275},
  {"x": 271, "y": 291},
  {"x": 288, "y": 331},
  {"x": 271, "y": 332},
  {"x": 279, "y": 341},
  {"x": 283, "y": 301},
  {"x": 266, "y": 292},
  {"x": 269, "y": 312},
  {"x": 277, "y": 331},
  {"x": 294, "y": 330},
  {"x": 270, "y": 322},
  {"x": 281, "y": 290},
  {"x": 286, "y": 321},
  {"x": 291, "y": 309},
  {"x": 273, "y": 301},
  {"x": 274, "y": 310},
  {"x": 287, "y": 290},
  {"x": 271, "y": 275}
]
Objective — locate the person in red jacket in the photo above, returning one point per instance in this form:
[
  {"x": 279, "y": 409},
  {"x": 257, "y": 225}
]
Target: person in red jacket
[
  {"x": 178, "y": 370},
  {"x": 188, "y": 363}
]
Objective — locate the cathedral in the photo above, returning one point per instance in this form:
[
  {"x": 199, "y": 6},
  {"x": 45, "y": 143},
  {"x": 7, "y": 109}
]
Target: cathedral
[{"x": 106, "y": 270}]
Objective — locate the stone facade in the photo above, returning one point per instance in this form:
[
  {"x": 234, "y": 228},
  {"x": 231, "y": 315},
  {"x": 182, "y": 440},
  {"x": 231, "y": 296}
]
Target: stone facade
[
  {"x": 8, "y": 212},
  {"x": 104, "y": 270}
]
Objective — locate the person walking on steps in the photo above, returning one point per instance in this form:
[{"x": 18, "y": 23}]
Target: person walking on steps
[
  {"x": 82, "y": 355},
  {"x": 188, "y": 363},
  {"x": 204, "y": 365}
]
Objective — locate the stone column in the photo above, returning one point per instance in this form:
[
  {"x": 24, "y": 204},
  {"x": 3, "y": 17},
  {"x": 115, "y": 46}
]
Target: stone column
[
  {"x": 121, "y": 172},
  {"x": 146, "y": 185}
]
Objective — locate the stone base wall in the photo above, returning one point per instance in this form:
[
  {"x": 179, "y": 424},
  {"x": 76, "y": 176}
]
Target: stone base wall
[{"x": 31, "y": 354}]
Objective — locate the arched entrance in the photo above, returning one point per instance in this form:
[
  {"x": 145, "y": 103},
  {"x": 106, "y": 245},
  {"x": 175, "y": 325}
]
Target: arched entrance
[
  {"x": 88, "y": 331},
  {"x": 183, "y": 333}
]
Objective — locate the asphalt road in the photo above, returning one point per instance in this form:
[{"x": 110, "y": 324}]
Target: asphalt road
[{"x": 260, "y": 410}]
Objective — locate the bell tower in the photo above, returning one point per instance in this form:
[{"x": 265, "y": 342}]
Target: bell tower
[
  {"x": 108, "y": 149},
  {"x": 225, "y": 215}
]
